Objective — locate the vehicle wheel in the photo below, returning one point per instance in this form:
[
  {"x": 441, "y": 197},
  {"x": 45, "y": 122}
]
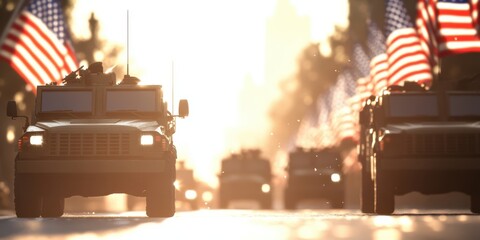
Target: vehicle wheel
[
  {"x": 53, "y": 207},
  {"x": 28, "y": 202},
  {"x": 384, "y": 197},
  {"x": 160, "y": 199},
  {"x": 475, "y": 203},
  {"x": 367, "y": 199},
  {"x": 289, "y": 201}
]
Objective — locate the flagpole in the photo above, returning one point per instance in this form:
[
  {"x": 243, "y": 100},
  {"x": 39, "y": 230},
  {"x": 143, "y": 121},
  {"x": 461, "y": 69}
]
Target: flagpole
[{"x": 19, "y": 6}]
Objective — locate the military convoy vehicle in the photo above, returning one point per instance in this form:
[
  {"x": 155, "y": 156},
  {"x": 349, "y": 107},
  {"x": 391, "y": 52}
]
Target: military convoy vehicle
[
  {"x": 314, "y": 174},
  {"x": 418, "y": 140},
  {"x": 186, "y": 186},
  {"x": 92, "y": 137},
  {"x": 246, "y": 176}
]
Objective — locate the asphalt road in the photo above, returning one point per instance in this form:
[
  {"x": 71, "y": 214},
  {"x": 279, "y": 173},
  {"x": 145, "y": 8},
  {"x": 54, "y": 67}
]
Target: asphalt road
[{"x": 248, "y": 224}]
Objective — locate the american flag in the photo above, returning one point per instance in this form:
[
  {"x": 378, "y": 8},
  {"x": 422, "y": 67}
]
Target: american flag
[
  {"x": 426, "y": 24},
  {"x": 407, "y": 61},
  {"x": 378, "y": 64},
  {"x": 342, "y": 119},
  {"x": 324, "y": 103},
  {"x": 457, "y": 27},
  {"x": 37, "y": 44},
  {"x": 364, "y": 86},
  {"x": 474, "y": 4}
]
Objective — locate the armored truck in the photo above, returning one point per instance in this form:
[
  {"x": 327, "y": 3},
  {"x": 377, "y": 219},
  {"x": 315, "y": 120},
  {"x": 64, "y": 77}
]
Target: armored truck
[
  {"x": 246, "y": 176},
  {"x": 314, "y": 174},
  {"x": 418, "y": 140},
  {"x": 92, "y": 137}
]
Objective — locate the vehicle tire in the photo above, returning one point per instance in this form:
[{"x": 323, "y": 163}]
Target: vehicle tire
[
  {"x": 475, "y": 203},
  {"x": 384, "y": 196},
  {"x": 53, "y": 207},
  {"x": 289, "y": 201},
  {"x": 160, "y": 199},
  {"x": 367, "y": 199},
  {"x": 28, "y": 202}
]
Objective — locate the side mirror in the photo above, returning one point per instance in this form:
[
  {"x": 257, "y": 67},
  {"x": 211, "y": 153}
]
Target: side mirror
[
  {"x": 12, "y": 109},
  {"x": 183, "y": 108}
]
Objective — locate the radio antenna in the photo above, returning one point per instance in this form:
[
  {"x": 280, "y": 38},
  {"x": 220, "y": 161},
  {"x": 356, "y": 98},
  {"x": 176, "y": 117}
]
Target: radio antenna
[
  {"x": 128, "y": 47},
  {"x": 173, "y": 80}
]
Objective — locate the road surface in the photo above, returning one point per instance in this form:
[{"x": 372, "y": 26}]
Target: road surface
[{"x": 248, "y": 224}]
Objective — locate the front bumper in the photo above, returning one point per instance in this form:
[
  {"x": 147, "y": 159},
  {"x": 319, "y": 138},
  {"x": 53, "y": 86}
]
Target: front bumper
[{"x": 91, "y": 166}]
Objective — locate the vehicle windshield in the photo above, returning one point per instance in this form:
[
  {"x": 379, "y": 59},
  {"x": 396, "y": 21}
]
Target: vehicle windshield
[
  {"x": 66, "y": 101},
  {"x": 413, "y": 105},
  {"x": 300, "y": 160},
  {"x": 131, "y": 101},
  {"x": 461, "y": 105},
  {"x": 245, "y": 166}
]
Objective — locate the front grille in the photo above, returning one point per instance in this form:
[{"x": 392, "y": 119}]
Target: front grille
[
  {"x": 88, "y": 144},
  {"x": 451, "y": 144}
]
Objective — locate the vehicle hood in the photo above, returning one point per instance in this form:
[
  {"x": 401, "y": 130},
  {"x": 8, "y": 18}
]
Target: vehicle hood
[
  {"x": 434, "y": 127},
  {"x": 97, "y": 125}
]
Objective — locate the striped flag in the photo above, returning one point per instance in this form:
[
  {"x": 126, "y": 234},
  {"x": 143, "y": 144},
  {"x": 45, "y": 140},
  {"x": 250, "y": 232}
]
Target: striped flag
[
  {"x": 379, "y": 63},
  {"x": 342, "y": 119},
  {"x": 407, "y": 61},
  {"x": 37, "y": 44},
  {"x": 474, "y": 4},
  {"x": 457, "y": 27},
  {"x": 325, "y": 106},
  {"x": 363, "y": 90},
  {"x": 426, "y": 24}
]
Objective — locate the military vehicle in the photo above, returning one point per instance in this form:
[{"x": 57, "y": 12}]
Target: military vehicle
[
  {"x": 314, "y": 174},
  {"x": 246, "y": 176},
  {"x": 92, "y": 137},
  {"x": 186, "y": 186},
  {"x": 425, "y": 141}
]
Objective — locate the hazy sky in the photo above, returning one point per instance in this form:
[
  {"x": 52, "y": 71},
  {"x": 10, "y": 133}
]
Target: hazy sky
[{"x": 216, "y": 45}]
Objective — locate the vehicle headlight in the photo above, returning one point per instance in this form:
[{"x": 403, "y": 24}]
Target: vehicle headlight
[
  {"x": 266, "y": 188},
  {"x": 146, "y": 139},
  {"x": 190, "y": 194},
  {"x": 36, "y": 140},
  {"x": 207, "y": 196},
  {"x": 335, "y": 177}
]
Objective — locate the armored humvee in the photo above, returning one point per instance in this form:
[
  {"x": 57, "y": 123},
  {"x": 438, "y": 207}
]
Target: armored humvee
[
  {"x": 314, "y": 174},
  {"x": 418, "y": 140},
  {"x": 246, "y": 176},
  {"x": 92, "y": 137}
]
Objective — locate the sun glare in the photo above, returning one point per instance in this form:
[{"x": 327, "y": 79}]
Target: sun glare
[{"x": 209, "y": 48}]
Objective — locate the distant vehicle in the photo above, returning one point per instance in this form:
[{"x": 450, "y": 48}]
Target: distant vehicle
[
  {"x": 186, "y": 186},
  {"x": 314, "y": 174},
  {"x": 418, "y": 140},
  {"x": 94, "y": 137},
  {"x": 246, "y": 176}
]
